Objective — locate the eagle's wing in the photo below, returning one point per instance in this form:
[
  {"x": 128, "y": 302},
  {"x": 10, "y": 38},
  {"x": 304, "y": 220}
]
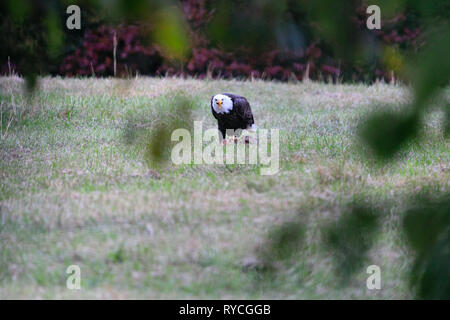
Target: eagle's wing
[{"x": 242, "y": 107}]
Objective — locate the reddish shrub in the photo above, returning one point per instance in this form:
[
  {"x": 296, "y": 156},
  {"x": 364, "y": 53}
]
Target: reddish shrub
[{"x": 95, "y": 56}]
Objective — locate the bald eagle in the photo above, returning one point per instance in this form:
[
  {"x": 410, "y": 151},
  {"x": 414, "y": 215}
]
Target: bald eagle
[{"x": 232, "y": 112}]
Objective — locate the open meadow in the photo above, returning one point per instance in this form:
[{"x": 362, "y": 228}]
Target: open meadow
[{"x": 76, "y": 189}]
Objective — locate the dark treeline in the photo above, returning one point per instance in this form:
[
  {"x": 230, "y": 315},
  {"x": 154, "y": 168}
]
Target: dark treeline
[{"x": 282, "y": 40}]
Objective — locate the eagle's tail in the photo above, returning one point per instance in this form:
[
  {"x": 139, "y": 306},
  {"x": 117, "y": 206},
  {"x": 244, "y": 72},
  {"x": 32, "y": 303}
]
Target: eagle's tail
[{"x": 253, "y": 128}]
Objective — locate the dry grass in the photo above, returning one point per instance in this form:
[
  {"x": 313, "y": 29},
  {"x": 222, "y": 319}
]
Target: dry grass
[{"x": 72, "y": 191}]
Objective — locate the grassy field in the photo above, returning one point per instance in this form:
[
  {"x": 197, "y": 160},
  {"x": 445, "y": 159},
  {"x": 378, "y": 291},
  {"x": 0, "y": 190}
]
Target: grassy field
[{"x": 75, "y": 190}]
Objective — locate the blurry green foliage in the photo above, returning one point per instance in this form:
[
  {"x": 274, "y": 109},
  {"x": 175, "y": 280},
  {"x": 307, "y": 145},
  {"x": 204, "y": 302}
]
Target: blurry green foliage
[
  {"x": 285, "y": 241},
  {"x": 425, "y": 222},
  {"x": 134, "y": 10},
  {"x": 385, "y": 132},
  {"x": 19, "y": 9},
  {"x": 333, "y": 23},
  {"x": 171, "y": 33},
  {"x": 246, "y": 24},
  {"x": 427, "y": 228},
  {"x": 55, "y": 35},
  {"x": 152, "y": 134},
  {"x": 429, "y": 72},
  {"x": 431, "y": 68},
  {"x": 350, "y": 238},
  {"x": 284, "y": 244},
  {"x": 159, "y": 144}
]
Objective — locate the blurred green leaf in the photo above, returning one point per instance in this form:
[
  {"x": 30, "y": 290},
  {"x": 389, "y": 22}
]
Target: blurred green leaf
[
  {"x": 432, "y": 10},
  {"x": 350, "y": 238},
  {"x": 158, "y": 146},
  {"x": 55, "y": 35},
  {"x": 171, "y": 33},
  {"x": 31, "y": 82},
  {"x": 136, "y": 10},
  {"x": 426, "y": 221},
  {"x": 390, "y": 8},
  {"x": 427, "y": 228},
  {"x": 286, "y": 241},
  {"x": 157, "y": 149},
  {"x": 332, "y": 20},
  {"x": 432, "y": 66},
  {"x": 385, "y": 132},
  {"x": 393, "y": 60},
  {"x": 19, "y": 10},
  {"x": 431, "y": 277},
  {"x": 249, "y": 25}
]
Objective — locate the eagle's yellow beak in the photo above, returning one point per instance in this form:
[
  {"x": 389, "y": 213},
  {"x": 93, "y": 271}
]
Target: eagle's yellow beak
[{"x": 219, "y": 104}]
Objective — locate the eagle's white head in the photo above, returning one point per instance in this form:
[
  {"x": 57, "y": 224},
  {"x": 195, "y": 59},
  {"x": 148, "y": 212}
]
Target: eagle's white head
[{"x": 222, "y": 103}]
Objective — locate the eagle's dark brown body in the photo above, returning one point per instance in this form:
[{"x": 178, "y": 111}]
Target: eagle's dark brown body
[{"x": 240, "y": 117}]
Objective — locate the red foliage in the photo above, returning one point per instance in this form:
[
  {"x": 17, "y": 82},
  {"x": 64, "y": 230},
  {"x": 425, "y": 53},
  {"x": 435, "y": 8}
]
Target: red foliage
[{"x": 95, "y": 56}]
